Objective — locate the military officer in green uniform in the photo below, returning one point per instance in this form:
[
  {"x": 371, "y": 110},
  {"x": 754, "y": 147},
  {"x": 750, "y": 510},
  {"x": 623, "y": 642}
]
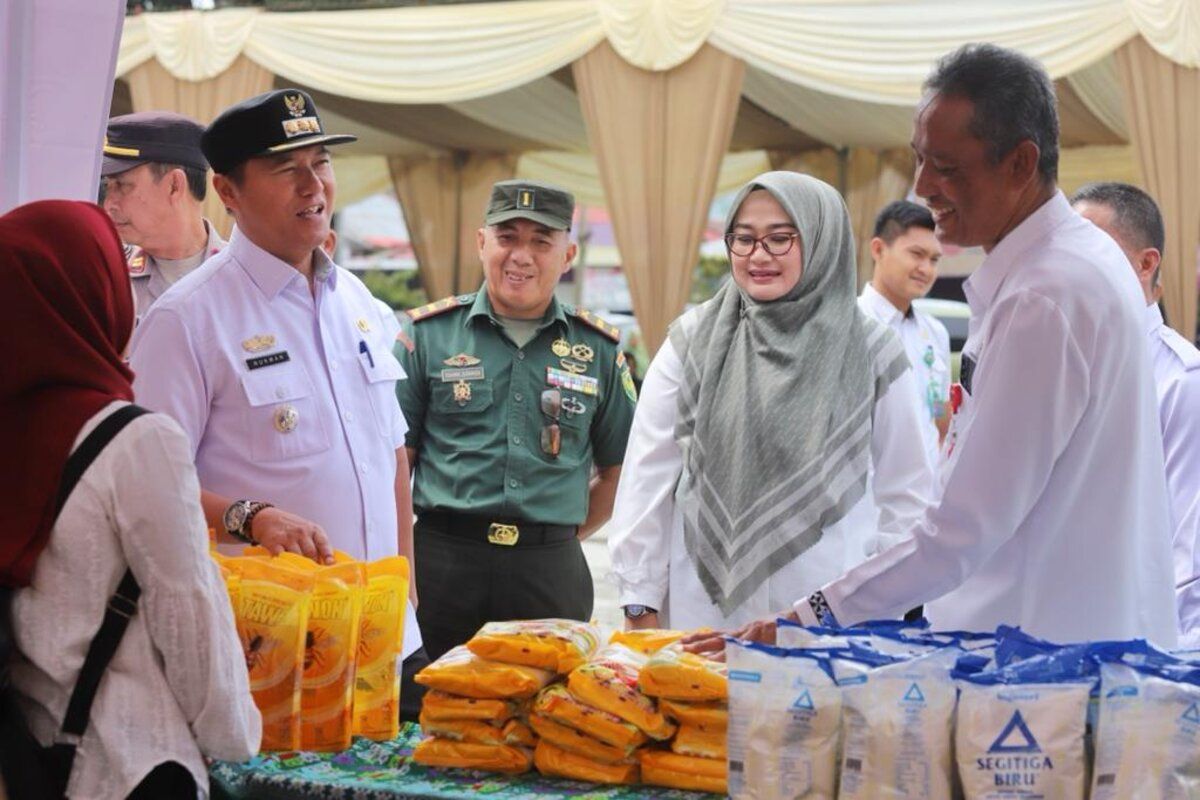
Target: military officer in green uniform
[{"x": 511, "y": 399}]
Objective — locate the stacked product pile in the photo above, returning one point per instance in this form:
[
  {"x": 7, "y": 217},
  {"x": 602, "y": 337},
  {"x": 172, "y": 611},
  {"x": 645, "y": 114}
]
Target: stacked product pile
[{"x": 476, "y": 714}]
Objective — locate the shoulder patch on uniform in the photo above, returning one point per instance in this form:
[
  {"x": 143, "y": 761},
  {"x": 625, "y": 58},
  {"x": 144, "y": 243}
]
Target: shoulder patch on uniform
[
  {"x": 594, "y": 322},
  {"x": 1184, "y": 349},
  {"x": 430, "y": 310}
]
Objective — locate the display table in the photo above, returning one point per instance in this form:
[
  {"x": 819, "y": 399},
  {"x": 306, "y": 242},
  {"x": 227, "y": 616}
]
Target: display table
[{"x": 385, "y": 771}]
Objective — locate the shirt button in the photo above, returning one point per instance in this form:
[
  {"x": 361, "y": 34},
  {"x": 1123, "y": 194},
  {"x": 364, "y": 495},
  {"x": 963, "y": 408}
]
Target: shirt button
[
  {"x": 520, "y": 355},
  {"x": 280, "y": 392},
  {"x": 363, "y": 468},
  {"x": 333, "y": 365},
  {"x": 349, "y": 417},
  {"x": 518, "y": 397},
  {"x": 516, "y": 440},
  {"x": 514, "y": 483}
]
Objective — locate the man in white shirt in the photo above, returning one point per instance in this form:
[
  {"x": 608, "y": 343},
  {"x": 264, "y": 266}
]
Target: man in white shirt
[
  {"x": 1053, "y": 514},
  {"x": 906, "y": 255},
  {"x": 278, "y": 363},
  {"x": 1132, "y": 219}
]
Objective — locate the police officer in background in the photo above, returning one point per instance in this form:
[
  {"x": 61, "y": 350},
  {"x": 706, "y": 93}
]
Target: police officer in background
[
  {"x": 512, "y": 397},
  {"x": 278, "y": 363},
  {"x": 155, "y": 178}
]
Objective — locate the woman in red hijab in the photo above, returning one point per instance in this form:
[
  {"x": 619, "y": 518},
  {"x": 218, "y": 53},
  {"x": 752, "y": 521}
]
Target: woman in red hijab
[{"x": 177, "y": 688}]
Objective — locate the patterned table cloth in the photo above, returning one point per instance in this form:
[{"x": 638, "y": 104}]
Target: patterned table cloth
[{"x": 385, "y": 771}]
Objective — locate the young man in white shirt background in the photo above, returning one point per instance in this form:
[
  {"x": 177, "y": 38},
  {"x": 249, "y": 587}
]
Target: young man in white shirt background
[
  {"x": 906, "y": 254},
  {"x": 1132, "y": 219}
]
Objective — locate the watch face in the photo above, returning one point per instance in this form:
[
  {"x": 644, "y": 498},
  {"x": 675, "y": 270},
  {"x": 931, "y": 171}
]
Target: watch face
[{"x": 235, "y": 516}]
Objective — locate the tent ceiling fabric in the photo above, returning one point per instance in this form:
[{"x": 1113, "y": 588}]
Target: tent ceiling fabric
[
  {"x": 870, "y": 50},
  {"x": 1098, "y": 88}
]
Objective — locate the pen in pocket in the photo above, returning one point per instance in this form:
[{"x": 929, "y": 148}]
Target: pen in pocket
[{"x": 362, "y": 348}]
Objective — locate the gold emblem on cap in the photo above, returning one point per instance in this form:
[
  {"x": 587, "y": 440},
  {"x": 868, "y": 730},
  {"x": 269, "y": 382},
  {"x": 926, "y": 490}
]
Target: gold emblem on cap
[
  {"x": 461, "y": 360},
  {"x": 581, "y": 352},
  {"x": 525, "y": 198},
  {"x": 286, "y": 418},
  {"x": 256, "y": 344},
  {"x": 295, "y": 104},
  {"x": 561, "y": 348},
  {"x": 462, "y": 393},
  {"x": 363, "y": 325}
]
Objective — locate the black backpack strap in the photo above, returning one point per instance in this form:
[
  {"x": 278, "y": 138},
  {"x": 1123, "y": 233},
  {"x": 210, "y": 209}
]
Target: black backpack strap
[{"x": 121, "y": 606}]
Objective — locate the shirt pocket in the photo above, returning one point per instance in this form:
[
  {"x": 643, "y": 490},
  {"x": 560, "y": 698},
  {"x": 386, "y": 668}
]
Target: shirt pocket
[
  {"x": 283, "y": 419},
  {"x": 381, "y": 371},
  {"x": 471, "y": 422},
  {"x": 575, "y": 429}
]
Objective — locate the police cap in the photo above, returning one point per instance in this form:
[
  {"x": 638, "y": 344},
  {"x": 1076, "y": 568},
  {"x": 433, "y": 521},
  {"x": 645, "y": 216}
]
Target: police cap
[
  {"x": 152, "y": 136},
  {"x": 543, "y": 203},
  {"x": 274, "y": 122}
]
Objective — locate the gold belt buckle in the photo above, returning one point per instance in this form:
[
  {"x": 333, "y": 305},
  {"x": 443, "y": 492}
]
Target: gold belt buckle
[{"x": 501, "y": 534}]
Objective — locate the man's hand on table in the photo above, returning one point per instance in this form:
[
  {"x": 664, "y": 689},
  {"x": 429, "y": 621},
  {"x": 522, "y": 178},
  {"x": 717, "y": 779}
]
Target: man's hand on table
[
  {"x": 281, "y": 531},
  {"x": 711, "y": 644}
]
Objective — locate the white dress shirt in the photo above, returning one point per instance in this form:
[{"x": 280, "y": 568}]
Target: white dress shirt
[
  {"x": 649, "y": 560},
  {"x": 1053, "y": 514},
  {"x": 287, "y": 395},
  {"x": 177, "y": 686},
  {"x": 927, "y": 344},
  {"x": 1177, "y": 381}
]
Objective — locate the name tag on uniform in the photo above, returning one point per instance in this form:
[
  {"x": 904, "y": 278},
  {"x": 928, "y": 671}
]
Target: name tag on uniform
[
  {"x": 584, "y": 384},
  {"x": 268, "y": 360},
  {"x": 465, "y": 374}
]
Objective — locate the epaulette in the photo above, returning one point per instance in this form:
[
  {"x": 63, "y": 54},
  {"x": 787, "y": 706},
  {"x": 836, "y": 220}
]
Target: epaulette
[
  {"x": 135, "y": 258},
  {"x": 594, "y": 322},
  {"x": 1183, "y": 349},
  {"x": 430, "y": 310}
]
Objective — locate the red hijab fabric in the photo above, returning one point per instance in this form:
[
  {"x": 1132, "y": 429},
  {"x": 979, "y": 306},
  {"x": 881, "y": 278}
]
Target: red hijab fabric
[{"x": 66, "y": 316}]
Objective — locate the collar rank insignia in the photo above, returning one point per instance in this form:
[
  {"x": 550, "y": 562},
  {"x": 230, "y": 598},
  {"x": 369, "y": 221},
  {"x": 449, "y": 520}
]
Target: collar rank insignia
[{"x": 461, "y": 360}]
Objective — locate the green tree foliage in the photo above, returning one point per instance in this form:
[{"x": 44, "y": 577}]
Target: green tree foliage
[{"x": 399, "y": 289}]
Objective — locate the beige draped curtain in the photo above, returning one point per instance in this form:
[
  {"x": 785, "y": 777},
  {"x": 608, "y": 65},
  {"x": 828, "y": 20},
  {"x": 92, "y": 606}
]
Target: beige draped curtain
[
  {"x": 1162, "y": 109},
  {"x": 444, "y": 198},
  {"x": 824, "y": 164},
  {"x": 152, "y": 88},
  {"x": 659, "y": 139},
  {"x": 874, "y": 178}
]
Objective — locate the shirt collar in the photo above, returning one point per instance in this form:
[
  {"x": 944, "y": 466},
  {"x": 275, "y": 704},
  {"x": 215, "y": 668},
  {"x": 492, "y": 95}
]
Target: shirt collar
[
  {"x": 483, "y": 307},
  {"x": 269, "y": 273},
  {"x": 981, "y": 288},
  {"x": 883, "y": 308},
  {"x": 1154, "y": 318},
  {"x": 215, "y": 243}
]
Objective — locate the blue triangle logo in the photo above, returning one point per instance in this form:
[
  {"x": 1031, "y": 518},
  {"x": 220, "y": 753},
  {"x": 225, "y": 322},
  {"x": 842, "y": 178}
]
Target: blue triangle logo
[
  {"x": 1015, "y": 738},
  {"x": 1192, "y": 714},
  {"x": 804, "y": 701},
  {"x": 914, "y": 695}
]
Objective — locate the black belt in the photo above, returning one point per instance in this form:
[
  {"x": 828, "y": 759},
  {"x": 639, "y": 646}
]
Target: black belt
[{"x": 506, "y": 532}]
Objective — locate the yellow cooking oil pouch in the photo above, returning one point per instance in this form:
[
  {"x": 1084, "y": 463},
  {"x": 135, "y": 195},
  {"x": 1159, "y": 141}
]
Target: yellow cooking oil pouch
[
  {"x": 272, "y": 618},
  {"x": 330, "y": 656},
  {"x": 701, "y": 741},
  {"x": 678, "y": 675},
  {"x": 556, "y": 645},
  {"x": 440, "y": 705},
  {"x": 713, "y": 714},
  {"x": 380, "y": 639},
  {"x": 561, "y": 706},
  {"x": 647, "y": 640},
  {"x": 468, "y": 755},
  {"x": 514, "y": 732},
  {"x": 609, "y": 681},
  {"x": 574, "y": 741},
  {"x": 463, "y": 673},
  {"x": 664, "y": 768},
  {"x": 551, "y": 760}
]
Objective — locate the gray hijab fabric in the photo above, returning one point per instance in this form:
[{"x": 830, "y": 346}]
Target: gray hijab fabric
[{"x": 776, "y": 403}]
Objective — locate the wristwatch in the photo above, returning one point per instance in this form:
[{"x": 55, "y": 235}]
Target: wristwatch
[
  {"x": 239, "y": 515},
  {"x": 637, "y": 611}
]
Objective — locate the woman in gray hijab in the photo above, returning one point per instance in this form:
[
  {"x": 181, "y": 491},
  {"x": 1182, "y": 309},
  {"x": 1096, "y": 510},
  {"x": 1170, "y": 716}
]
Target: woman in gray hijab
[{"x": 774, "y": 445}]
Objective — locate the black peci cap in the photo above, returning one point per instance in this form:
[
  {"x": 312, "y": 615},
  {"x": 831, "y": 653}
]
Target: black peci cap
[
  {"x": 151, "y": 136},
  {"x": 275, "y": 122}
]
